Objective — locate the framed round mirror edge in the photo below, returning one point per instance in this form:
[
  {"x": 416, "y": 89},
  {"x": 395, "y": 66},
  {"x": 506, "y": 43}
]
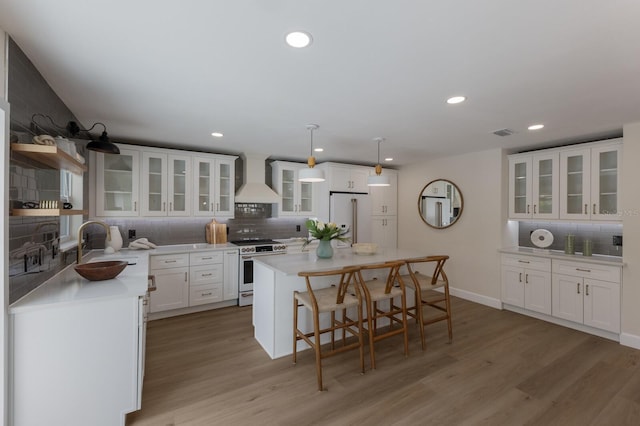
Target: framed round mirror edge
[{"x": 422, "y": 216}]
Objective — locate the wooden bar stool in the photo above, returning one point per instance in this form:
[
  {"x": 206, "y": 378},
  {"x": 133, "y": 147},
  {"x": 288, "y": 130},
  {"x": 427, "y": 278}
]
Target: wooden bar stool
[
  {"x": 376, "y": 291},
  {"x": 427, "y": 274},
  {"x": 346, "y": 294}
]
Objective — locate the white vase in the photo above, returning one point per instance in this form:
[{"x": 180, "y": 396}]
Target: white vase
[{"x": 116, "y": 239}]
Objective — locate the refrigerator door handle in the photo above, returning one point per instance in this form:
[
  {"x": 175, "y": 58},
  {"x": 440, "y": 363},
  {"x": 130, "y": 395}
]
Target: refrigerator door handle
[{"x": 354, "y": 220}]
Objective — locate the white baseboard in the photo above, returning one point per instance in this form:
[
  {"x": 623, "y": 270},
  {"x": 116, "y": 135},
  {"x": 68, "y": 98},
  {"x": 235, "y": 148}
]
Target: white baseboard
[
  {"x": 477, "y": 298},
  {"x": 192, "y": 309},
  {"x": 631, "y": 340}
]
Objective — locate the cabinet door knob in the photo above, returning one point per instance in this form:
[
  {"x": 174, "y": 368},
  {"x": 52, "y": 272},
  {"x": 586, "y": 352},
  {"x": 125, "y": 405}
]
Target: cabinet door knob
[
  {"x": 164, "y": 206},
  {"x": 526, "y": 278},
  {"x": 594, "y": 208},
  {"x": 135, "y": 206},
  {"x": 587, "y": 290}
]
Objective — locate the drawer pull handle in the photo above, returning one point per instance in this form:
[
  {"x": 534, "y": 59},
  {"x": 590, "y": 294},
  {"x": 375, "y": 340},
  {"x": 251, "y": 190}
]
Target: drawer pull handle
[
  {"x": 523, "y": 261},
  {"x": 583, "y": 270},
  {"x": 207, "y": 275},
  {"x": 207, "y": 294},
  {"x": 206, "y": 258},
  {"x": 170, "y": 261}
]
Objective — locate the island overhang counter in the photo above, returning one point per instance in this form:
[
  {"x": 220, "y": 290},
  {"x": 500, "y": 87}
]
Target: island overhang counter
[{"x": 276, "y": 278}]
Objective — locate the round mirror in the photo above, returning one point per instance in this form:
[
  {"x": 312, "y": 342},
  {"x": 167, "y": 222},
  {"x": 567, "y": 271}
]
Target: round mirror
[{"x": 440, "y": 203}]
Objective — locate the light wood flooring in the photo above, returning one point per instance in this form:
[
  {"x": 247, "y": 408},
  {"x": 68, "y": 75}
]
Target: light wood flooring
[{"x": 501, "y": 369}]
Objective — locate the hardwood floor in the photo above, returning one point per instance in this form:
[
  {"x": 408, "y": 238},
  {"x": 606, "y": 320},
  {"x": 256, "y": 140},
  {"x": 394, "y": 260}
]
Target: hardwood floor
[{"x": 501, "y": 369}]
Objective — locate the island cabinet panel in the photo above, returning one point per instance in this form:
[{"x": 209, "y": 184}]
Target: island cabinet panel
[{"x": 76, "y": 365}]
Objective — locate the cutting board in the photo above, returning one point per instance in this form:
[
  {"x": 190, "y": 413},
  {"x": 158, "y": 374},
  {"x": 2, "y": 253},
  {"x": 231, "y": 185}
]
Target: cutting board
[{"x": 216, "y": 233}]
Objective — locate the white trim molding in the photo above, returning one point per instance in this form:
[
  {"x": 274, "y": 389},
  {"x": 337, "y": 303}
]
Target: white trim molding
[{"x": 631, "y": 340}]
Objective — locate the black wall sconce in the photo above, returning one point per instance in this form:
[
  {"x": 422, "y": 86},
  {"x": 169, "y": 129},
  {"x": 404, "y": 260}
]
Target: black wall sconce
[{"x": 103, "y": 144}]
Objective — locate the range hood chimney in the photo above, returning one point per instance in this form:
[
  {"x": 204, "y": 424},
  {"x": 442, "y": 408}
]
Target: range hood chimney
[{"x": 254, "y": 190}]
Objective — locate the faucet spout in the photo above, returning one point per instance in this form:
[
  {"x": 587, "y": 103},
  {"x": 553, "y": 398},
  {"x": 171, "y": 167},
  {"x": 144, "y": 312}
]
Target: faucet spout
[{"x": 84, "y": 225}]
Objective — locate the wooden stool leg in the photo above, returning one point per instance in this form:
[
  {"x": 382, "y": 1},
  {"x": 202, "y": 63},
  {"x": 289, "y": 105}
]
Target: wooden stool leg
[
  {"x": 448, "y": 305},
  {"x": 316, "y": 327}
]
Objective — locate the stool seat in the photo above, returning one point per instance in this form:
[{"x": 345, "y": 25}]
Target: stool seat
[{"x": 326, "y": 299}]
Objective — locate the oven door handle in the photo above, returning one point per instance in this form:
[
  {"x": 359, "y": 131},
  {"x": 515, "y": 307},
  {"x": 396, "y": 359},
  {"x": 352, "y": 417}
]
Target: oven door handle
[{"x": 249, "y": 257}]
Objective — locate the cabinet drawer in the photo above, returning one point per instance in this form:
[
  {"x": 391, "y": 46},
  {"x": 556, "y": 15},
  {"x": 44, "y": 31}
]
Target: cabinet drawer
[
  {"x": 529, "y": 262},
  {"x": 202, "y": 294},
  {"x": 206, "y": 257},
  {"x": 587, "y": 270},
  {"x": 169, "y": 261},
  {"x": 207, "y": 274}
]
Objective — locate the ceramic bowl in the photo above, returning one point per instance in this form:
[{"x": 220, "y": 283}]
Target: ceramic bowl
[{"x": 98, "y": 271}]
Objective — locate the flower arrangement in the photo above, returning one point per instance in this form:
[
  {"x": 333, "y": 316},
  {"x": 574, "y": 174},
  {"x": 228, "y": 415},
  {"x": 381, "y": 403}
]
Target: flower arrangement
[{"x": 325, "y": 231}]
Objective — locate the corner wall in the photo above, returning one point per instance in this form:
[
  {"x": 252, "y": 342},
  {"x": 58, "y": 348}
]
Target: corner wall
[
  {"x": 473, "y": 242},
  {"x": 631, "y": 224}
]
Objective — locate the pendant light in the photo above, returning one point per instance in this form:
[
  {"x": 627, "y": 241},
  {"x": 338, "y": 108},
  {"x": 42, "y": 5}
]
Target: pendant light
[
  {"x": 311, "y": 174},
  {"x": 378, "y": 179}
]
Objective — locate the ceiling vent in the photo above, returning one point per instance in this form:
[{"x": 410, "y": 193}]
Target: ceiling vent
[{"x": 504, "y": 132}]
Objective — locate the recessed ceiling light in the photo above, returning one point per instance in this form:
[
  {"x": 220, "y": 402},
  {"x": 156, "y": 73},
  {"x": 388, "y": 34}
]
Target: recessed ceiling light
[
  {"x": 388, "y": 159},
  {"x": 456, "y": 99},
  {"x": 298, "y": 39},
  {"x": 318, "y": 149},
  {"x": 217, "y": 134},
  {"x": 536, "y": 126}
]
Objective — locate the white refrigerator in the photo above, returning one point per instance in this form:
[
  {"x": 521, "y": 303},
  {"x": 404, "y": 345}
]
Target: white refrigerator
[
  {"x": 437, "y": 211},
  {"x": 353, "y": 212}
]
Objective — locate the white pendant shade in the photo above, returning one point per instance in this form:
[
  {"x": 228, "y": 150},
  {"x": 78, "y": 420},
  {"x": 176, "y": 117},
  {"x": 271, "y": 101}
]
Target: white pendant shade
[
  {"x": 378, "y": 180},
  {"x": 311, "y": 175}
]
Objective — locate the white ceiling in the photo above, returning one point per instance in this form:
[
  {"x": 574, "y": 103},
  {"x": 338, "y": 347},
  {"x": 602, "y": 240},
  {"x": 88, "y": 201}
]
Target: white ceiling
[{"x": 171, "y": 72}]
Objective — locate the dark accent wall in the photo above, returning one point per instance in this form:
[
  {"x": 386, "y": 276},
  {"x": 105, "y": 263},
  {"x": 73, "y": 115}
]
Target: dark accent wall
[{"x": 33, "y": 241}]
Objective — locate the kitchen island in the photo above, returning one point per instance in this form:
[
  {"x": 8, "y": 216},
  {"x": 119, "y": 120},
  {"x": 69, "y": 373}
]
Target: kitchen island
[
  {"x": 275, "y": 279},
  {"x": 78, "y": 347}
]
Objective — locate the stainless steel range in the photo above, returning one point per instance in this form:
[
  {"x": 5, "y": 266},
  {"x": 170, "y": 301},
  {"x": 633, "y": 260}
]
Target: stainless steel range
[{"x": 249, "y": 249}]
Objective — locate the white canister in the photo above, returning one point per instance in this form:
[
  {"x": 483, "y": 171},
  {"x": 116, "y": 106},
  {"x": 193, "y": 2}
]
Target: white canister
[{"x": 116, "y": 239}]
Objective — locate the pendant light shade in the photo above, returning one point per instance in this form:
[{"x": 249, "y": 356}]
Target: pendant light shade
[
  {"x": 311, "y": 174},
  {"x": 103, "y": 145},
  {"x": 378, "y": 179}
]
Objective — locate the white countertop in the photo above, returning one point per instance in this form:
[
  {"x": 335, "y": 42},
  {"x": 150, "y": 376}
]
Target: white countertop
[
  {"x": 560, "y": 255},
  {"x": 68, "y": 287},
  {"x": 291, "y": 264},
  {"x": 185, "y": 248}
]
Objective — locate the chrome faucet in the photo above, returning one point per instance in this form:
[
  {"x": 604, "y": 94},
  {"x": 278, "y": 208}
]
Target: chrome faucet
[{"x": 89, "y": 222}]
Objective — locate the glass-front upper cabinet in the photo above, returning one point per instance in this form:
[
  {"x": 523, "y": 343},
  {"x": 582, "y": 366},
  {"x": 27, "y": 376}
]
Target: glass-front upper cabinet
[
  {"x": 533, "y": 186},
  {"x": 214, "y": 185},
  {"x": 296, "y": 196},
  {"x": 117, "y": 183},
  {"x": 590, "y": 183},
  {"x": 605, "y": 182},
  {"x": 164, "y": 184}
]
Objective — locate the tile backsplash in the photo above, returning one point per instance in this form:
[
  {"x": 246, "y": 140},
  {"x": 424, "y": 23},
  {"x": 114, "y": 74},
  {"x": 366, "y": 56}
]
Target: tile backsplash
[{"x": 601, "y": 235}]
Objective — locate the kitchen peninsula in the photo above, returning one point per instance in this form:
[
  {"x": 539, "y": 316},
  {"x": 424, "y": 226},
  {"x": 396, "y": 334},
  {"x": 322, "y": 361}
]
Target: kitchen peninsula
[{"x": 276, "y": 277}]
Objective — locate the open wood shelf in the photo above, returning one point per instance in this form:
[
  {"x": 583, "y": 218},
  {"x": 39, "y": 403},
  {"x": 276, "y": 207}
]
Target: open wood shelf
[
  {"x": 47, "y": 212},
  {"x": 49, "y": 156}
]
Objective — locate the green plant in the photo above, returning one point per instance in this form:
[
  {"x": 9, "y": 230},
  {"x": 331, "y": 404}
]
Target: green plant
[{"x": 325, "y": 231}]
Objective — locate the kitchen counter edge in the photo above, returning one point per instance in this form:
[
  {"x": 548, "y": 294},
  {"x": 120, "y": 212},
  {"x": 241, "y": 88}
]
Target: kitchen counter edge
[{"x": 558, "y": 255}]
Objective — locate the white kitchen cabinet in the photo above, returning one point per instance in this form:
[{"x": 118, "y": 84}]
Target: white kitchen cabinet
[
  {"x": 172, "y": 282},
  {"x": 534, "y": 186},
  {"x": 214, "y": 186},
  {"x": 347, "y": 178},
  {"x": 590, "y": 182},
  {"x": 117, "y": 183},
  {"x": 384, "y": 199},
  {"x": 166, "y": 187},
  {"x": 384, "y": 231},
  {"x": 206, "y": 277},
  {"x": 297, "y": 198},
  {"x": 588, "y": 294},
  {"x": 231, "y": 271},
  {"x": 526, "y": 282}
]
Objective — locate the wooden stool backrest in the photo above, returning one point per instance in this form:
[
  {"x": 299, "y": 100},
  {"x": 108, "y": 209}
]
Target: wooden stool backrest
[{"x": 438, "y": 270}]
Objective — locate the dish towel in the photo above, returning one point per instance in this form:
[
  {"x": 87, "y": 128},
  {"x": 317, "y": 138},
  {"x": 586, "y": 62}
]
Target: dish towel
[{"x": 142, "y": 244}]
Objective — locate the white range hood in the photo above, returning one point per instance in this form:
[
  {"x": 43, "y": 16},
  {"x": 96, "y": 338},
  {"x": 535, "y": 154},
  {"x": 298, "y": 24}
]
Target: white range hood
[{"x": 254, "y": 190}]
